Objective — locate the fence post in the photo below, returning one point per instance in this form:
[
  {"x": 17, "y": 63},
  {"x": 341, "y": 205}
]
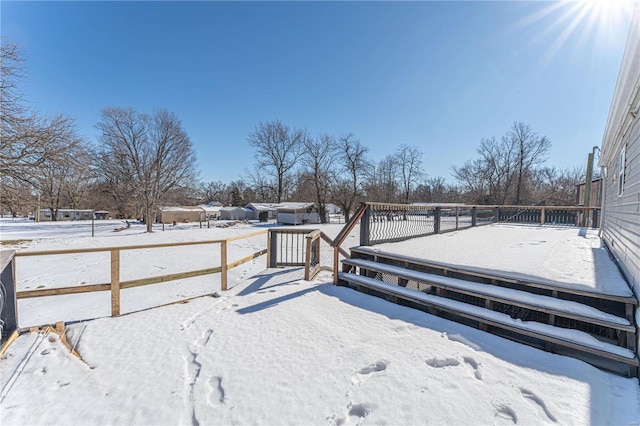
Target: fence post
[
  {"x": 307, "y": 260},
  {"x": 457, "y": 216},
  {"x": 436, "y": 220},
  {"x": 115, "y": 283},
  {"x": 365, "y": 238},
  {"x": 223, "y": 265},
  {"x": 273, "y": 248},
  {"x": 542, "y": 216},
  {"x": 496, "y": 214},
  {"x": 595, "y": 223},
  {"x": 474, "y": 216}
]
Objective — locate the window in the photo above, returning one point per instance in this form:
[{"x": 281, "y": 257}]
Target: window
[{"x": 621, "y": 170}]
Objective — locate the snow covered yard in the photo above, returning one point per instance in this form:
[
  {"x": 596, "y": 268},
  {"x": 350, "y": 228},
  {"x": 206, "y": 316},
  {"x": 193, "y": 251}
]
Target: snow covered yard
[
  {"x": 279, "y": 350},
  {"x": 275, "y": 349}
]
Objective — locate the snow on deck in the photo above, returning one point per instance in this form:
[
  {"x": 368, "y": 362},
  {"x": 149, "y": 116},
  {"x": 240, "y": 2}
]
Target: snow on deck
[{"x": 561, "y": 256}]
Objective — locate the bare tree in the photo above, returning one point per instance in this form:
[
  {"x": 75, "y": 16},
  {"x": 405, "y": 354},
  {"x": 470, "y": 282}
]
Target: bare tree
[
  {"x": 277, "y": 150},
  {"x": 505, "y": 168},
  {"x": 382, "y": 183},
  {"x": 530, "y": 149},
  {"x": 154, "y": 151},
  {"x": 318, "y": 161},
  {"x": 409, "y": 163},
  {"x": 212, "y": 191},
  {"x": 264, "y": 188},
  {"x": 64, "y": 184},
  {"x": 355, "y": 167}
]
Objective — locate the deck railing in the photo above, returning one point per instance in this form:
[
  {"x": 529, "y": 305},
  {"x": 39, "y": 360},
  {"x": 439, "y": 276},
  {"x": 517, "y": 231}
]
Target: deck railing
[
  {"x": 300, "y": 247},
  {"x": 385, "y": 222}
]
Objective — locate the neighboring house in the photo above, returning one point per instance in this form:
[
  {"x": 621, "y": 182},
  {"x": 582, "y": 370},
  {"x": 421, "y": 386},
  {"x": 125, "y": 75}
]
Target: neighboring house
[
  {"x": 595, "y": 196},
  {"x": 297, "y": 213},
  {"x": 620, "y": 162},
  {"x": 254, "y": 210},
  {"x": 182, "y": 214},
  {"x": 214, "y": 204},
  {"x": 102, "y": 215},
  {"x": 212, "y": 212},
  {"x": 332, "y": 209},
  {"x": 65, "y": 214},
  {"x": 233, "y": 213}
]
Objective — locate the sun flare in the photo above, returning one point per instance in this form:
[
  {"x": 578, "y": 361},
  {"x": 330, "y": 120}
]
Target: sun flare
[{"x": 593, "y": 22}]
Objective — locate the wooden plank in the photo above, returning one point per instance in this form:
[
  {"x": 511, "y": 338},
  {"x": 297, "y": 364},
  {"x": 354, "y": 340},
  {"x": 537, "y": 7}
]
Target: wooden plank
[
  {"x": 499, "y": 277},
  {"x": 242, "y": 237},
  {"x": 246, "y": 259},
  {"x": 115, "y": 283},
  {"x": 495, "y": 323},
  {"x": 441, "y": 291},
  {"x": 59, "y": 291},
  {"x": 109, "y": 249},
  {"x": 170, "y": 277},
  {"x": 9, "y": 341}
]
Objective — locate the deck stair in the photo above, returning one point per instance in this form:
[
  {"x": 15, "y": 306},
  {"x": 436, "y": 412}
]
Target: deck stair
[{"x": 595, "y": 328}]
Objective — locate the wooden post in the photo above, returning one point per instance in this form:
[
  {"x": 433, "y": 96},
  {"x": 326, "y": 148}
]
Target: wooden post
[
  {"x": 273, "y": 248},
  {"x": 365, "y": 238},
  {"x": 436, "y": 220},
  {"x": 223, "y": 265},
  {"x": 496, "y": 214},
  {"x": 268, "y": 249},
  {"x": 457, "y": 216},
  {"x": 115, "y": 283},
  {"x": 307, "y": 260},
  {"x": 336, "y": 262},
  {"x": 474, "y": 216},
  {"x": 542, "y": 218}
]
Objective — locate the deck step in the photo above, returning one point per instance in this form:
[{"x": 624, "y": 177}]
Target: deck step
[
  {"x": 473, "y": 274},
  {"x": 567, "y": 338},
  {"x": 541, "y": 303}
]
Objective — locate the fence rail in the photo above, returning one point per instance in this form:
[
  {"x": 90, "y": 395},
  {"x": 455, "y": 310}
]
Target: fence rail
[
  {"x": 116, "y": 284},
  {"x": 386, "y": 223}
]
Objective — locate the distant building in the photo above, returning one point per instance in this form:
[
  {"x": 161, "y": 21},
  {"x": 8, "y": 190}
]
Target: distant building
[
  {"x": 233, "y": 213},
  {"x": 65, "y": 214},
  {"x": 182, "y": 214},
  {"x": 212, "y": 212},
  {"x": 297, "y": 213},
  {"x": 102, "y": 215},
  {"x": 254, "y": 210}
]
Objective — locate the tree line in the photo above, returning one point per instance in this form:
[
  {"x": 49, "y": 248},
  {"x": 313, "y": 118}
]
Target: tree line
[{"x": 142, "y": 161}]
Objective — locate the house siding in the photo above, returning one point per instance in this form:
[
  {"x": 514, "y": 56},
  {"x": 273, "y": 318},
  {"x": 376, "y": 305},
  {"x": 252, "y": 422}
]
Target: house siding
[
  {"x": 621, "y": 209},
  {"x": 621, "y": 227}
]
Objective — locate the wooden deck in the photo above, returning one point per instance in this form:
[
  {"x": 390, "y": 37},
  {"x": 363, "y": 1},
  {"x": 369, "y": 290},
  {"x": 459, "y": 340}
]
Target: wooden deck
[{"x": 553, "y": 288}]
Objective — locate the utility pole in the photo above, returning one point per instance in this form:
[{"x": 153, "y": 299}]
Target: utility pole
[{"x": 587, "y": 187}]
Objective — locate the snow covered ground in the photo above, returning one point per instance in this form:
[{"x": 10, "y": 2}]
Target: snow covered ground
[
  {"x": 275, "y": 349},
  {"x": 561, "y": 255}
]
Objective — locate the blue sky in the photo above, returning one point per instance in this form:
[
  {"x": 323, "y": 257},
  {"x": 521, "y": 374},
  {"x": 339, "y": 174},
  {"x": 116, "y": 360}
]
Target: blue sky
[{"x": 438, "y": 75}]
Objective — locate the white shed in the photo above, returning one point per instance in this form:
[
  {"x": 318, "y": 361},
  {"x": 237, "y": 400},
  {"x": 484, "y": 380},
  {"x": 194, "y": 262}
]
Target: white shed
[
  {"x": 297, "y": 213},
  {"x": 233, "y": 213},
  {"x": 254, "y": 210}
]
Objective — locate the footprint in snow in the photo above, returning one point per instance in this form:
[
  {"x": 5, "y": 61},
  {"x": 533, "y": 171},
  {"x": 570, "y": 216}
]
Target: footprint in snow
[
  {"x": 441, "y": 363},
  {"x": 216, "y": 394},
  {"x": 474, "y": 365},
  {"x": 365, "y": 372},
  {"x": 506, "y": 412},
  {"x": 539, "y": 402},
  {"x": 354, "y": 416}
]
